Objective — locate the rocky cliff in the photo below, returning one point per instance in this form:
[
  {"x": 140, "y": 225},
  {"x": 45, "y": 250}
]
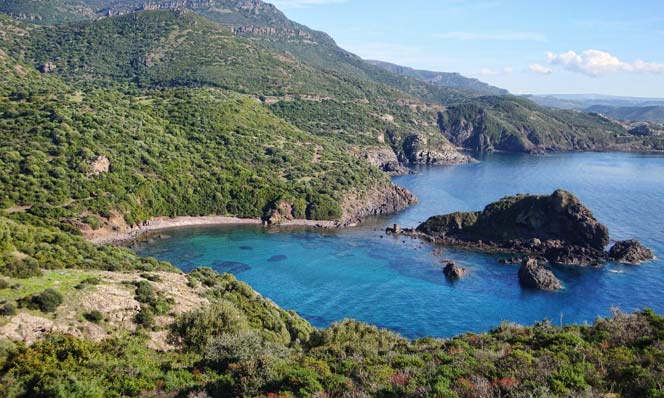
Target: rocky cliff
[{"x": 382, "y": 199}]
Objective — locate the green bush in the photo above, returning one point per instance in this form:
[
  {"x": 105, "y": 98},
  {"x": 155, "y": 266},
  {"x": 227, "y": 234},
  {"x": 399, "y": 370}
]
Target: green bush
[
  {"x": 4, "y": 284},
  {"x": 94, "y": 316},
  {"x": 8, "y": 309},
  {"x": 145, "y": 318},
  {"x": 92, "y": 281},
  {"x": 47, "y": 301},
  {"x": 249, "y": 359},
  {"x": 192, "y": 330},
  {"x": 323, "y": 207}
]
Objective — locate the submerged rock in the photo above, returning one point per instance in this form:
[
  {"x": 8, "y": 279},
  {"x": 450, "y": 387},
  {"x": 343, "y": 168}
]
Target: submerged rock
[
  {"x": 534, "y": 276},
  {"x": 630, "y": 252},
  {"x": 453, "y": 271}
]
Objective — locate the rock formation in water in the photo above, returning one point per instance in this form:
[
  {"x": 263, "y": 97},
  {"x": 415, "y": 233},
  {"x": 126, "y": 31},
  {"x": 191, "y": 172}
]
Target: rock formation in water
[
  {"x": 630, "y": 252},
  {"x": 534, "y": 276},
  {"x": 453, "y": 271},
  {"x": 556, "y": 228}
]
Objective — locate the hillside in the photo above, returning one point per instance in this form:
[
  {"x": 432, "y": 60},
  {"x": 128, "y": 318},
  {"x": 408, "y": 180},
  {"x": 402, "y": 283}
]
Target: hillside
[
  {"x": 515, "y": 124},
  {"x": 653, "y": 113},
  {"x": 311, "y": 73},
  {"x": 444, "y": 79},
  {"x": 96, "y": 155}
]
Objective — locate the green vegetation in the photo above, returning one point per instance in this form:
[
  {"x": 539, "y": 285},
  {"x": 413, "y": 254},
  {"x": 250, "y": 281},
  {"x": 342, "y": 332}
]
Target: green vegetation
[
  {"x": 518, "y": 125},
  {"x": 167, "y": 113},
  {"x": 621, "y": 356},
  {"x": 47, "y": 301}
]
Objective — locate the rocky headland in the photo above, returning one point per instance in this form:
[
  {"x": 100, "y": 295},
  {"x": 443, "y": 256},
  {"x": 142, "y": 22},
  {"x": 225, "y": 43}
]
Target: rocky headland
[{"x": 554, "y": 228}]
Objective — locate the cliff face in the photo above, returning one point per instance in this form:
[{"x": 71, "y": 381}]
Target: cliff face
[
  {"x": 559, "y": 216},
  {"x": 382, "y": 199}
]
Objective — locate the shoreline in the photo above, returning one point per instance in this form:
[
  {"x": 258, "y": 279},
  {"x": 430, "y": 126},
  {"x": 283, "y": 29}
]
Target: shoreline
[{"x": 166, "y": 223}]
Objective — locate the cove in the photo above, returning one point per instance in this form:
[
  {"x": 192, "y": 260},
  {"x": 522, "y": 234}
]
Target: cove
[{"x": 398, "y": 283}]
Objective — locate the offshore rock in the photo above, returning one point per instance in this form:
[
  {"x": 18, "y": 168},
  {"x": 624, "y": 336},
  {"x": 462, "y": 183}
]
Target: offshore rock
[
  {"x": 453, "y": 271},
  {"x": 630, "y": 252},
  {"x": 534, "y": 276},
  {"x": 556, "y": 228}
]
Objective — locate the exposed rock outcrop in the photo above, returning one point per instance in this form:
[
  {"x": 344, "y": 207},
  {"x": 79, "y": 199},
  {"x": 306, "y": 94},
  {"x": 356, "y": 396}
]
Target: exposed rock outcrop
[
  {"x": 453, "y": 271},
  {"x": 559, "y": 216},
  {"x": 100, "y": 165},
  {"x": 534, "y": 276},
  {"x": 630, "y": 252},
  {"x": 556, "y": 228},
  {"x": 417, "y": 150},
  {"x": 385, "y": 159},
  {"x": 381, "y": 199}
]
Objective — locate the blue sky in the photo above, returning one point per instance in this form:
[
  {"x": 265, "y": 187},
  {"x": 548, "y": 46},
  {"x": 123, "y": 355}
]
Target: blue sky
[{"x": 606, "y": 47}]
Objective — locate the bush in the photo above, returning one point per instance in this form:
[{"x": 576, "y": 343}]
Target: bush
[
  {"x": 94, "y": 222},
  {"x": 144, "y": 318},
  {"x": 4, "y": 284},
  {"x": 21, "y": 268},
  {"x": 92, "y": 281},
  {"x": 248, "y": 357},
  {"x": 193, "y": 329},
  {"x": 94, "y": 316},
  {"x": 323, "y": 207},
  {"x": 8, "y": 309},
  {"x": 47, "y": 301}
]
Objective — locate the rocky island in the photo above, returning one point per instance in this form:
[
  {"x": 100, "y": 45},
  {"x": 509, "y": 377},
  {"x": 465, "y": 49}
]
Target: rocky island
[{"x": 554, "y": 228}]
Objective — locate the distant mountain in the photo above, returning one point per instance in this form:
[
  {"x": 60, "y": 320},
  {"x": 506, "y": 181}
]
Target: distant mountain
[
  {"x": 444, "y": 79},
  {"x": 583, "y": 101},
  {"x": 654, "y": 113}
]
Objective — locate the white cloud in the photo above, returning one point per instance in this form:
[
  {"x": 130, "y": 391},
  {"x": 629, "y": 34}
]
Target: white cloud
[
  {"x": 496, "y": 36},
  {"x": 494, "y": 72},
  {"x": 303, "y": 3},
  {"x": 537, "y": 68},
  {"x": 596, "y": 62}
]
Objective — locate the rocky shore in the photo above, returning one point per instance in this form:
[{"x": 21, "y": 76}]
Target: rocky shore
[{"x": 554, "y": 229}]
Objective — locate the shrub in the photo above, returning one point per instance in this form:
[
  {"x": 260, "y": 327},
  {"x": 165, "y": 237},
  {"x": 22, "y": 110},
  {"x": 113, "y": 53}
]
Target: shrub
[
  {"x": 21, "y": 268},
  {"x": 94, "y": 222},
  {"x": 47, "y": 301},
  {"x": 94, "y": 316},
  {"x": 4, "y": 284},
  {"x": 323, "y": 207},
  {"x": 92, "y": 281},
  {"x": 144, "y": 318},
  {"x": 8, "y": 309},
  {"x": 248, "y": 357},
  {"x": 193, "y": 329}
]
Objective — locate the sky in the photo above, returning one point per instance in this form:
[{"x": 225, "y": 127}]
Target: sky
[{"x": 607, "y": 47}]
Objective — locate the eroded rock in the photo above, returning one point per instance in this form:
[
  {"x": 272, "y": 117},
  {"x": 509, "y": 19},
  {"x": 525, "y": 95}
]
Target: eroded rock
[
  {"x": 630, "y": 252},
  {"x": 534, "y": 276},
  {"x": 453, "y": 271}
]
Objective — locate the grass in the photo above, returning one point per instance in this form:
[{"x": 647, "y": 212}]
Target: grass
[{"x": 60, "y": 280}]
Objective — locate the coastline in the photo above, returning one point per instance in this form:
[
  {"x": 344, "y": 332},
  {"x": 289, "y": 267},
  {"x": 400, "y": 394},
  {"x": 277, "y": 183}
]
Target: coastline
[{"x": 102, "y": 237}]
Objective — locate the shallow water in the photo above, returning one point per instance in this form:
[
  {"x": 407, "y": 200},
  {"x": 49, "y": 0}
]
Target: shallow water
[{"x": 398, "y": 283}]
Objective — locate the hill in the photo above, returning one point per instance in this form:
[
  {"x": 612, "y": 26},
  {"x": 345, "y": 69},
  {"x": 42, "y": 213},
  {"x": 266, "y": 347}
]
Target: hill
[
  {"x": 445, "y": 79},
  {"x": 515, "y": 124},
  {"x": 654, "y": 113}
]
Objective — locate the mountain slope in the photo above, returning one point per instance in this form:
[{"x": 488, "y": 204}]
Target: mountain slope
[
  {"x": 654, "y": 113},
  {"x": 117, "y": 153},
  {"x": 444, "y": 79},
  {"x": 517, "y": 125}
]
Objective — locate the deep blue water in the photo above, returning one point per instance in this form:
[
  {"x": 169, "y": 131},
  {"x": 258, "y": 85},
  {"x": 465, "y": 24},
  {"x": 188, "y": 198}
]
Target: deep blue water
[{"x": 356, "y": 273}]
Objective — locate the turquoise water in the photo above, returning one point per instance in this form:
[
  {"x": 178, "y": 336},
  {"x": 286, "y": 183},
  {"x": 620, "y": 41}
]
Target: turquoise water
[{"x": 358, "y": 273}]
